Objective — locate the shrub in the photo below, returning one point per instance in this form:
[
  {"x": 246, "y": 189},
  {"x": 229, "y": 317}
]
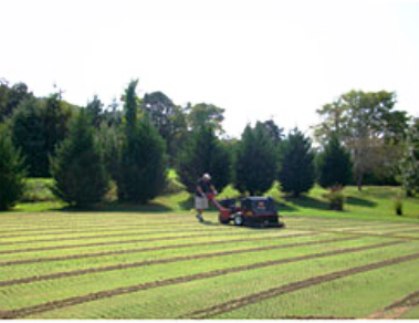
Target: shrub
[
  {"x": 398, "y": 206},
  {"x": 336, "y": 199}
]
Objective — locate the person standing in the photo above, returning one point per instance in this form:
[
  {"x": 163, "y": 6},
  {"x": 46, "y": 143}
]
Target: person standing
[{"x": 204, "y": 187}]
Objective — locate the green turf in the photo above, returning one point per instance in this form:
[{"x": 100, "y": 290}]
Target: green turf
[{"x": 169, "y": 232}]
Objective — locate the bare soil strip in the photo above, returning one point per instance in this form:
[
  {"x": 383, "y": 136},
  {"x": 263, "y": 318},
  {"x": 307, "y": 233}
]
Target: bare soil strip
[
  {"x": 292, "y": 287},
  {"x": 314, "y": 317},
  {"x": 398, "y": 308},
  {"x": 108, "y": 243},
  {"x": 53, "y": 305},
  {"x": 65, "y": 274},
  {"x": 137, "y": 250}
]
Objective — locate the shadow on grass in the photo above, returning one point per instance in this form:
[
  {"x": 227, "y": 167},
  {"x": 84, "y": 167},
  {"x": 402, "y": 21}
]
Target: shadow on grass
[
  {"x": 360, "y": 202},
  {"x": 307, "y": 202},
  {"x": 151, "y": 207}
]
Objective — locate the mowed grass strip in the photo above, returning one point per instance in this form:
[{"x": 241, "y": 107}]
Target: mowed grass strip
[
  {"x": 126, "y": 232},
  {"x": 156, "y": 237},
  {"x": 291, "y": 287},
  {"x": 363, "y": 234},
  {"x": 107, "y": 252},
  {"x": 101, "y": 228},
  {"x": 172, "y": 300},
  {"x": 90, "y": 287},
  {"x": 354, "y": 296},
  {"x": 158, "y": 259}
]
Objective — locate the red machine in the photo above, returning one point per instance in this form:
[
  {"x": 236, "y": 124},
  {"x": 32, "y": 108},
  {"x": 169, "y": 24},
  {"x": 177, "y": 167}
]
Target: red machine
[{"x": 253, "y": 211}]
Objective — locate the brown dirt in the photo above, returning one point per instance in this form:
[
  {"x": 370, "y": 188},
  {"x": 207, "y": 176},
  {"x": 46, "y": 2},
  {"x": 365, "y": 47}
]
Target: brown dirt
[
  {"x": 53, "y": 305},
  {"x": 137, "y": 264},
  {"x": 288, "y": 288},
  {"x": 398, "y": 308},
  {"x": 146, "y": 249},
  {"x": 314, "y": 317}
]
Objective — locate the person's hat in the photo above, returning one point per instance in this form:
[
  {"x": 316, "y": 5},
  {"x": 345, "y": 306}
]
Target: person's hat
[{"x": 206, "y": 176}]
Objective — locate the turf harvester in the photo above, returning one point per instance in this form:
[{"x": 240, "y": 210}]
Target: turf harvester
[{"x": 254, "y": 211}]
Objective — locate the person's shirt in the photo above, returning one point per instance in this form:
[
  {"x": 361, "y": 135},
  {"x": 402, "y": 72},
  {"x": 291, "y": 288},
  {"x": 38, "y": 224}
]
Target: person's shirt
[{"x": 205, "y": 187}]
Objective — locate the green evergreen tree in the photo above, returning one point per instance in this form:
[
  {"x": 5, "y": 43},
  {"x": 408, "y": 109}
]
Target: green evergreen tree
[
  {"x": 142, "y": 166},
  {"x": 297, "y": 172},
  {"x": 255, "y": 161},
  {"x": 78, "y": 168},
  {"x": 38, "y": 125},
  {"x": 204, "y": 153},
  {"x": 12, "y": 171},
  {"x": 27, "y": 126},
  {"x": 94, "y": 111},
  {"x": 334, "y": 165}
]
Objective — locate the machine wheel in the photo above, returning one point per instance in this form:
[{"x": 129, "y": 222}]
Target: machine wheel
[{"x": 238, "y": 220}]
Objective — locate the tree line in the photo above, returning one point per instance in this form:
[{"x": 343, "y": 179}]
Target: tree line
[{"x": 361, "y": 139}]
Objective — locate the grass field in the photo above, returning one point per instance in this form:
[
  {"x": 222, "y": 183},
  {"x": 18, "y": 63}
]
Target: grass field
[{"x": 165, "y": 264}]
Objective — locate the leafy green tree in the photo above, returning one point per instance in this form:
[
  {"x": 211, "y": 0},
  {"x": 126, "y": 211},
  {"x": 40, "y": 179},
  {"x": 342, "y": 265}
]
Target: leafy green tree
[
  {"x": 297, "y": 173},
  {"x": 142, "y": 167},
  {"x": 169, "y": 119},
  {"x": 12, "y": 171},
  {"x": 409, "y": 164},
  {"x": 255, "y": 161},
  {"x": 274, "y": 131},
  {"x": 204, "y": 114},
  {"x": 78, "y": 168},
  {"x": 11, "y": 97},
  {"x": 368, "y": 126},
  {"x": 334, "y": 165},
  {"x": 204, "y": 153}
]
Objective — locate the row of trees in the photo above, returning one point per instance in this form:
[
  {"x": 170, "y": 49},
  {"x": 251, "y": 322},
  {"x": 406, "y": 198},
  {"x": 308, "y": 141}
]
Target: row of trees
[{"x": 83, "y": 149}]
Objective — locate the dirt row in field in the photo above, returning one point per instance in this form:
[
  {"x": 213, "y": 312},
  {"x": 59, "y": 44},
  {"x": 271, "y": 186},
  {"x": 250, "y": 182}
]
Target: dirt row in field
[
  {"x": 147, "y": 249},
  {"x": 143, "y": 263},
  {"x": 107, "y": 243},
  {"x": 292, "y": 287},
  {"x": 398, "y": 308},
  {"x": 58, "y": 304}
]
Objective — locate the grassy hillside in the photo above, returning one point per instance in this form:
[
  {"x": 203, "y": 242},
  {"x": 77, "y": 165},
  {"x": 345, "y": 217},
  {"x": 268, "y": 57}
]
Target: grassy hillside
[{"x": 373, "y": 202}]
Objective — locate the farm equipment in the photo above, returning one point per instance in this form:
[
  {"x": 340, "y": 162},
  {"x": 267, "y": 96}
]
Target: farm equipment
[{"x": 253, "y": 211}]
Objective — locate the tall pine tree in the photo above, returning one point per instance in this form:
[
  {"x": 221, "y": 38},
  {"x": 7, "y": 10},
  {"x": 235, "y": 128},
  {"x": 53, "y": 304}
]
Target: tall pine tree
[
  {"x": 12, "y": 171},
  {"x": 334, "y": 165},
  {"x": 297, "y": 172},
  {"x": 78, "y": 168},
  {"x": 142, "y": 166},
  {"x": 204, "y": 153},
  {"x": 255, "y": 161}
]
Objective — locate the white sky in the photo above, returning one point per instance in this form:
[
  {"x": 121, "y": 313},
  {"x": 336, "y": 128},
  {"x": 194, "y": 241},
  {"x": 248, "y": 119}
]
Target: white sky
[{"x": 257, "y": 59}]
